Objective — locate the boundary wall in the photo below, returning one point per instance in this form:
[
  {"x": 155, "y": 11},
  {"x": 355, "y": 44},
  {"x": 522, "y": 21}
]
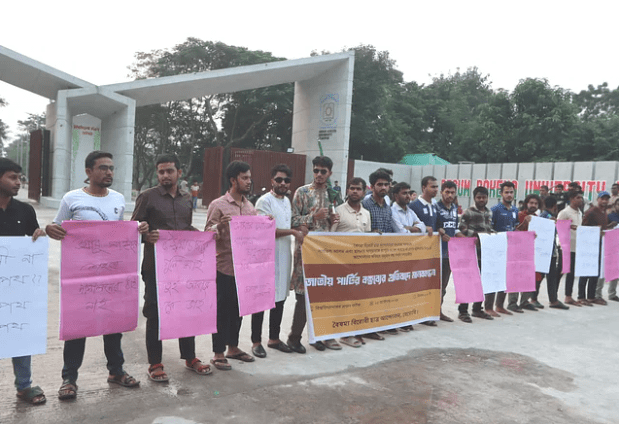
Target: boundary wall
[{"x": 528, "y": 177}]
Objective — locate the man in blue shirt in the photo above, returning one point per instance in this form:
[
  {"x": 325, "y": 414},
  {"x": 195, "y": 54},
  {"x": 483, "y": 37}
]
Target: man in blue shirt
[
  {"x": 447, "y": 227},
  {"x": 504, "y": 218},
  {"x": 380, "y": 212}
]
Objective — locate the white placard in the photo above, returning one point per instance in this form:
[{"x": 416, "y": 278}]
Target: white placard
[
  {"x": 544, "y": 239},
  {"x": 493, "y": 262},
  {"x": 23, "y": 302},
  {"x": 587, "y": 251}
]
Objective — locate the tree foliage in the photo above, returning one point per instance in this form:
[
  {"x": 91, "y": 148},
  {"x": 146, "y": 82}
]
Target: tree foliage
[{"x": 458, "y": 116}]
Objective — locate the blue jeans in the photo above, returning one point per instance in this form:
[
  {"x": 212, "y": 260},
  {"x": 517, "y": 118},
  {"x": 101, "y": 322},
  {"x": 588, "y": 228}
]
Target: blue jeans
[
  {"x": 73, "y": 354},
  {"x": 21, "y": 369},
  {"x": 195, "y": 202}
]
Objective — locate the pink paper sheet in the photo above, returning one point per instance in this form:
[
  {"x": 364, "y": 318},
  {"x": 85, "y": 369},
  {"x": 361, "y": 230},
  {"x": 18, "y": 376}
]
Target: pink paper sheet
[
  {"x": 253, "y": 254},
  {"x": 99, "y": 283},
  {"x": 611, "y": 255},
  {"x": 520, "y": 261},
  {"x": 463, "y": 263},
  {"x": 563, "y": 229},
  {"x": 186, "y": 283}
]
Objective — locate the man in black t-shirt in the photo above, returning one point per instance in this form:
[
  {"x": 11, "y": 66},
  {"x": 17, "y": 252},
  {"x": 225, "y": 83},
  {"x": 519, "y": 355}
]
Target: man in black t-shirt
[{"x": 18, "y": 219}]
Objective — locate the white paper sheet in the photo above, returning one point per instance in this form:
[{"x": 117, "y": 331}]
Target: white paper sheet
[
  {"x": 23, "y": 299},
  {"x": 587, "y": 251},
  {"x": 545, "y": 235},
  {"x": 493, "y": 262}
]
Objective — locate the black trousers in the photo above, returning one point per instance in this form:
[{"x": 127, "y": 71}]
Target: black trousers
[
  {"x": 275, "y": 322},
  {"x": 73, "y": 355},
  {"x": 445, "y": 274},
  {"x": 584, "y": 291},
  {"x": 228, "y": 319},
  {"x": 552, "y": 282},
  {"x": 299, "y": 319},
  {"x": 569, "y": 279},
  {"x": 154, "y": 347}
]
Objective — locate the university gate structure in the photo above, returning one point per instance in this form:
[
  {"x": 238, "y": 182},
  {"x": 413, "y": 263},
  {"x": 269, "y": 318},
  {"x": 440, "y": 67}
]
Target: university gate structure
[{"x": 82, "y": 116}]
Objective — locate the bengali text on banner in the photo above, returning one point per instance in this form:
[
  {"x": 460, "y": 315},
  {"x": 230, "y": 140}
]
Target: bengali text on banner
[
  {"x": 186, "y": 283},
  {"x": 99, "y": 284},
  {"x": 360, "y": 283},
  {"x": 23, "y": 307},
  {"x": 253, "y": 254}
]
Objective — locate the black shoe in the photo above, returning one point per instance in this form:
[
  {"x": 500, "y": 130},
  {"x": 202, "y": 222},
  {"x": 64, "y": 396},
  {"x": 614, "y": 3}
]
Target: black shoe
[
  {"x": 259, "y": 351},
  {"x": 482, "y": 315},
  {"x": 528, "y": 307},
  {"x": 465, "y": 317},
  {"x": 296, "y": 347},
  {"x": 559, "y": 305},
  {"x": 318, "y": 346},
  {"x": 429, "y": 323},
  {"x": 281, "y": 346},
  {"x": 515, "y": 309},
  {"x": 615, "y": 298}
]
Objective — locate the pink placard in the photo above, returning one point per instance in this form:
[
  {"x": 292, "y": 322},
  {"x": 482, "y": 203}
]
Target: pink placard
[
  {"x": 563, "y": 230},
  {"x": 520, "y": 262},
  {"x": 99, "y": 283},
  {"x": 611, "y": 255},
  {"x": 186, "y": 283},
  {"x": 463, "y": 264},
  {"x": 253, "y": 254}
]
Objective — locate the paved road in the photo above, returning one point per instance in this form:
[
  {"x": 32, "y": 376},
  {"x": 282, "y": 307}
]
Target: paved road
[{"x": 539, "y": 367}]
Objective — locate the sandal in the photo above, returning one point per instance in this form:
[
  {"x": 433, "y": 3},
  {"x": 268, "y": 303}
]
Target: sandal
[
  {"x": 157, "y": 374},
  {"x": 124, "y": 380},
  {"x": 241, "y": 356},
  {"x": 198, "y": 367},
  {"x": 221, "y": 364},
  {"x": 68, "y": 390},
  {"x": 372, "y": 336},
  {"x": 33, "y": 395},
  {"x": 351, "y": 341},
  {"x": 332, "y": 344}
]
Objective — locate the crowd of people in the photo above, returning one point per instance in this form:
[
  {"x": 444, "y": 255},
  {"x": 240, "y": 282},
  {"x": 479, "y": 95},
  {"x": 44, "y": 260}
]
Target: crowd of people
[{"x": 386, "y": 208}]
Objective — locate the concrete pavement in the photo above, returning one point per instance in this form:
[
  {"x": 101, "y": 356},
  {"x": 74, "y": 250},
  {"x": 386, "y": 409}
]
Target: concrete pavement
[{"x": 548, "y": 366}]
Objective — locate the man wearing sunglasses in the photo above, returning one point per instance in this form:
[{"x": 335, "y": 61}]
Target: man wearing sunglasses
[
  {"x": 312, "y": 210},
  {"x": 276, "y": 204}
]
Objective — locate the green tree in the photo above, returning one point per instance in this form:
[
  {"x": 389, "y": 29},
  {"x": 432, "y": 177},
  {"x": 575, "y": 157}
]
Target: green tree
[{"x": 4, "y": 128}]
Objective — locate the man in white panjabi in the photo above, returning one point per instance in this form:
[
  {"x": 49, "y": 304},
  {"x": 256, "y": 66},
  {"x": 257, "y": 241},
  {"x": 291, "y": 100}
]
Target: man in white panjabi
[{"x": 276, "y": 204}]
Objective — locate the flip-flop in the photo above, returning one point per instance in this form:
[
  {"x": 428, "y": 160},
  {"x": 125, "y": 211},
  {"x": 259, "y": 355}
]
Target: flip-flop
[
  {"x": 350, "y": 341},
  {"x": 221, "y": 364},
  {"x": 332, "y": 344},
  {"x": 242, "y": 356}
]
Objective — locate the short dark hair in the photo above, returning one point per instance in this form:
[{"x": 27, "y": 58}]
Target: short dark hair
[
  {"x": 324, "y": 161},
  {"x": 574, "y": 193},
  {"x": 168, "y": 158},
  {"x": 388, "y": 171},
  {"x": 615, "y": 185},
  {"x": 573, "y": 184},
  {"x": 550, "y": 202},
  {"x": 506, "y": 184},
  {"x": 379, "y": 174},
  {"x": 544, "y": 186},
  {"x": 357, "y": 181},
  {"x": 282, "y": 167},
  {"x": 93, "y": 156},
  {"x": 480, "y": 190},
  {"x": 533, "y": 196},
  {"x": 448, "y": 184},
  {"x": 399, "y": 187},
  {"x": 7, "y": 165},
  {"x": 413, "y": 191},
  {"x": 235, "y": 168},
  {"x": 426, "y": 180},
  {"x": 559, "y": 186}
]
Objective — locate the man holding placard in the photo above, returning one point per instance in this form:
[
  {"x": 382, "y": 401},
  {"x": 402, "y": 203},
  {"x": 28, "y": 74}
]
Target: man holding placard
[
  {"x": 18, "y": 219},
  {"x": 276, "y": 204},
  {"x": 96, "y": 202},
  {"x": 218, "y": 216},
  {"x": 164, "y": 207},
  {"x": 572, "y": 212}
]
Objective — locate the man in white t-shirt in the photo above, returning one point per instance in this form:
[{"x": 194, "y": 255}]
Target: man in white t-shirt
[
  {"x": 574, "y": 214},
  {"x": 96, "y": 202}
]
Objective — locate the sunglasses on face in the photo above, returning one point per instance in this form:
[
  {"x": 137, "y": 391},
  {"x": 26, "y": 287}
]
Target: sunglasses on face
[
  {"x": 279, "y": 180},
  {"x": 321, "y": 171}
]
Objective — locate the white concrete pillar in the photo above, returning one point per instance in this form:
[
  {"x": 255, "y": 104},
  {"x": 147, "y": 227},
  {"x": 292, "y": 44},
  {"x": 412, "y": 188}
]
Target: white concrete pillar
[{"x": 59, "y": 123}]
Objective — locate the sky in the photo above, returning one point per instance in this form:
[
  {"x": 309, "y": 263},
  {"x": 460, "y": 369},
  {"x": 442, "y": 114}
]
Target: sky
[{"x": 572, "y": 44}]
